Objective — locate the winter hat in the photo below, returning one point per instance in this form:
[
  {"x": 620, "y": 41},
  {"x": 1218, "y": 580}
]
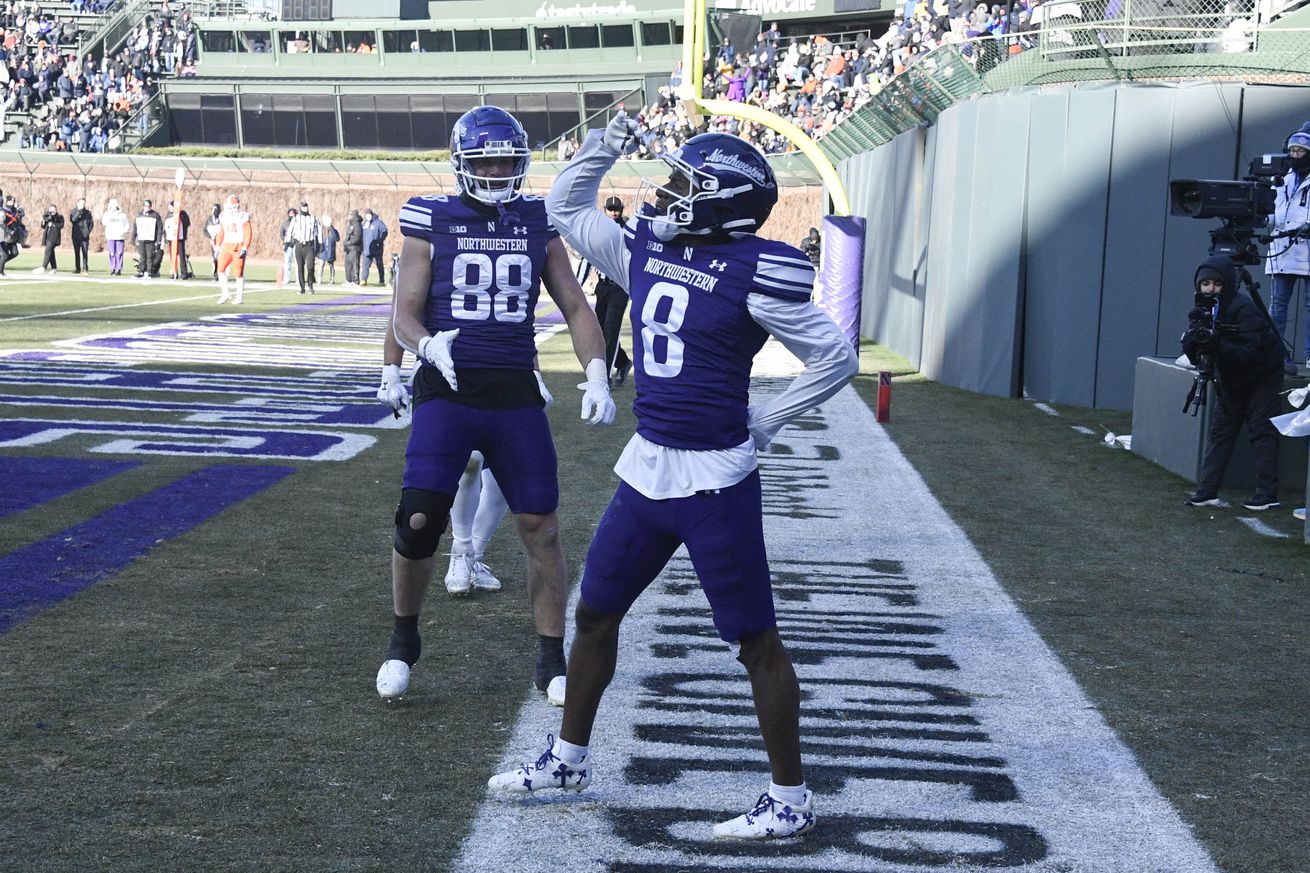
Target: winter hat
[
  {"x": 1301, "y": 137},
  {"x": 1219, "y": 268},
  {"x": 1208, "y": 272}
]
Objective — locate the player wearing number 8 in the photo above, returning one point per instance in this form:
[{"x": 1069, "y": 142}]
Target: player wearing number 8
[
  {"x": 471, "y": 269},
  {"x": 706, "y": 294}
]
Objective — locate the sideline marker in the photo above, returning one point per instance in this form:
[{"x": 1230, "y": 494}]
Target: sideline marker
[{"x": 884, "y": 409}]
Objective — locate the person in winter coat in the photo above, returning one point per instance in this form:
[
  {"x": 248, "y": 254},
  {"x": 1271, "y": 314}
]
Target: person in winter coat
[
  {"x": 375, "y": 236},
  {"x": 80, "y": 223},
  {"x": 148, "y": 230},
  {"x": 1289, "y": 257},
  {"x": 117, "y": 225},
  {"x": 352, "y": 244},
  {"x": 329, "y": 236},
  {"x": 1229, "y": 333},
  {"x": 13, "y": 233},
  {"x": 52, "y": 234}
]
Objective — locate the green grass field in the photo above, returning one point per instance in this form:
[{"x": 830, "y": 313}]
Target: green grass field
[{"x": 210, "y": 706}]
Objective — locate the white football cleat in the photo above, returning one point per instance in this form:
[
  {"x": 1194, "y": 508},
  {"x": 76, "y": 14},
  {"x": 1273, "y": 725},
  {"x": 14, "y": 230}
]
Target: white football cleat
[
  {"x": 483, "y": 578},
  {"x": 770, "y": 820},
  {"x": 547, "y": 772},
  {"x": 555, "y": 691},
  {"x": 459, "y": 578},
  {"x": 222, "y": 299},
  {"x": 393, "y": 679}
]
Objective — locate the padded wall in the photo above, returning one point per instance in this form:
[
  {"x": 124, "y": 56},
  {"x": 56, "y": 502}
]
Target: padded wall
[{"x": 1044, "y": 258}]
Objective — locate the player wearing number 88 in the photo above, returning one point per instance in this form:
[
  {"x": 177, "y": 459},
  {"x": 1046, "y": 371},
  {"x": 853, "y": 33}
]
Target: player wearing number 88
[
  {"x": 471, "y": 269},
  {"x": 706, "y": 294}
]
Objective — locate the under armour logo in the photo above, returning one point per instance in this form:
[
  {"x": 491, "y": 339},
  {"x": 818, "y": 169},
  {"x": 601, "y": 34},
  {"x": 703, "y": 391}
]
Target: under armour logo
[
  {"x": 718, "y": 265},
  {"x": 520, "y": 230}
]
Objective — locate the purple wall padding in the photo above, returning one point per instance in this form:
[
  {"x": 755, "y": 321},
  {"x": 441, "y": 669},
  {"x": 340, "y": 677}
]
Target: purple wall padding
[
  {"x": 841, "y": 279},
  {"x": 43, "y": 573},
  {"x": 30, "y": 481}
]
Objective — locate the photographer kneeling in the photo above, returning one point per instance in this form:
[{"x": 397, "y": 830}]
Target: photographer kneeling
[{"x": 1229, "y": 335}]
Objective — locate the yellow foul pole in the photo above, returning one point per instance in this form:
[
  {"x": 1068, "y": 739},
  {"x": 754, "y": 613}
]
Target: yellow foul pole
[{"x": 689, "y": 93}]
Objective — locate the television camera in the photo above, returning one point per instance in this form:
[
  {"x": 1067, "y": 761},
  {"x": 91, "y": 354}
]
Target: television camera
[{"x": 1242, "y": 205}]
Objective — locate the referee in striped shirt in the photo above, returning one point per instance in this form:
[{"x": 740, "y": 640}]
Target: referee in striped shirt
[{"x": 304, "y": 233}]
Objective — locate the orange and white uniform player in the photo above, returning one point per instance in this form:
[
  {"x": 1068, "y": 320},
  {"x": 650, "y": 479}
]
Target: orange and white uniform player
[{"x": 233, "y": 240}]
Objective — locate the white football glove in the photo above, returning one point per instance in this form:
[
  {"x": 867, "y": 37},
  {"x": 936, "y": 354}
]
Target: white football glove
[
  {"x": 545, "y": 392},
  {"x": 435, "y": 350},
  {"x": 392, "y": 391},
  {"x": 597, "y": 405},
  {"x": 621, "y": 134}
]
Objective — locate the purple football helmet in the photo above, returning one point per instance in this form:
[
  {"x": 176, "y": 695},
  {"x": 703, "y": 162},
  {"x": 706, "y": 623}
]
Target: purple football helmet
[
  {"x": 489, "y": 132},
  {"x": 730, "y": 188}
]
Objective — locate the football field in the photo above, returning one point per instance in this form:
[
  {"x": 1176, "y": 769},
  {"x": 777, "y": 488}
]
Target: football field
[{"x": 1017, "y": 649}]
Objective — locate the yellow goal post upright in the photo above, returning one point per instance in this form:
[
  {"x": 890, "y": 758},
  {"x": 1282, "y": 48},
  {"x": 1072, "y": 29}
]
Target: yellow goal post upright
[{"x": 695, "y": 105}]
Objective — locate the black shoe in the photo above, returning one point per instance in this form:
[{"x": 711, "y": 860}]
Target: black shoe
[
  {"x": 621, "y": 375},
  {"x": 1259, "y": 503},
  {"x": 1203, "y": 498}
]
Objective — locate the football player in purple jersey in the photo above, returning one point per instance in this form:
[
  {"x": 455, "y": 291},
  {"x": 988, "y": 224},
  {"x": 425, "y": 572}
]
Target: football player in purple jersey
[
  {"x": 706, "y": 294},
  {"x": 471, "y": 269}
]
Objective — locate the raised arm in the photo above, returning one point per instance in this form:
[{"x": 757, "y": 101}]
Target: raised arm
[{"x": 571, "y": 205}]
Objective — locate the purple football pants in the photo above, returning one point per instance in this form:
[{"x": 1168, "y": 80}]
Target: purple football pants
[
  {"x": 515, "y": 443},
  {"x": 724, "y": 534}
]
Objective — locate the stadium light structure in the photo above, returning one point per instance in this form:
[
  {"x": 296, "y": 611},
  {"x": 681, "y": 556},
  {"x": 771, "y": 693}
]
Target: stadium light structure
[{"x": 694, "y": 104}]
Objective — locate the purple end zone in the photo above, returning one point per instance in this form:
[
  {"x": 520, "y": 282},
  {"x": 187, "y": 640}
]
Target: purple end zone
[
  {"x": 28, "y": 482},
  {"x": 40, "y": 575}
]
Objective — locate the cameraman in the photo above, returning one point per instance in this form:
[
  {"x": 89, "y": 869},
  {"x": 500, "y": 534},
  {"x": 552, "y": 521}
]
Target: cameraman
[
  {"x": 1229, "y": 335},
  {"x": 1289, "y": 258}
]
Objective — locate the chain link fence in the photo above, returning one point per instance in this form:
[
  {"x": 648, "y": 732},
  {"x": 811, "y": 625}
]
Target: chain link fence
[{"x": 1096, "y": 40}]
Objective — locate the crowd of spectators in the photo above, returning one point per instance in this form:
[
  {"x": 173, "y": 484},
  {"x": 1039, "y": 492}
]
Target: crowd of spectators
[
  {"x": 816, "y": 82},
  {"x": 72, "y": 104}
]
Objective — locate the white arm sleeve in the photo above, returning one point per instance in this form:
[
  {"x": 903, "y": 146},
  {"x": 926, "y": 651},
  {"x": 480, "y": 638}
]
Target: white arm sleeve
[
  {"x": 571, "y": 205},
  {"x": 809, "y": 334}
]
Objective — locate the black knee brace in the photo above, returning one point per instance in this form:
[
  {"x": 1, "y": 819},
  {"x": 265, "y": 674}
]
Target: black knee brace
[{"x": 420, "y": 543}]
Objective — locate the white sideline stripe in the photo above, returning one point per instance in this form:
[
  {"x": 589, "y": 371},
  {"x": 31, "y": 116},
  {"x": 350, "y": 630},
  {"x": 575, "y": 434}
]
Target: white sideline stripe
[
  {"x": 249, "y": 290},
  {"x": 1047, "y": 409},
  {"x": 1263, "y": 529},
  {"x": 1079, "y": 788}
]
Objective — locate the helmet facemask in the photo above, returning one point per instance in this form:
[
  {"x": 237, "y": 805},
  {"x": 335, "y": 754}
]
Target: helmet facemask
[
  {"x": 492, "y": 190},
  {"x": 673, "y": 205}
]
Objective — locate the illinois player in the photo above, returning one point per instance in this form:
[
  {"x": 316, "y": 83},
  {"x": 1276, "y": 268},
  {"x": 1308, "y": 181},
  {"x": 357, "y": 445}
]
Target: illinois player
[
  {"x": 233, "y": 241},
  {"x": 706, "y": 294},
  {"x": 471, "y": 269}
]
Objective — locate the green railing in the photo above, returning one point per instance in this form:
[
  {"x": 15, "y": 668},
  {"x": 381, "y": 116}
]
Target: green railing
[
  {"x": 144, "y": 121},
  {"x": 1068, "y": 50},
  {"x": 114, "y": 28}
]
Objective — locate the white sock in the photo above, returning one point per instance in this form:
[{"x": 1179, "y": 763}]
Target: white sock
[
  {"x": 491, "y": 510},
  {"x": 241, "y": 286},
  {"x": 793, "y": 795},
  {"x": 569, "y": 753},
  {"x": 464, "y": 509},
  {"x": 222, "y": 284}
]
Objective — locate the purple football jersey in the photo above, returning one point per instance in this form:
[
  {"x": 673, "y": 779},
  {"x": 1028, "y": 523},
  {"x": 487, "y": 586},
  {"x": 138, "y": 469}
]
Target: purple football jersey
[
  {"x": 692, "y": 336},
  {"x": 486, "y": 275}
]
